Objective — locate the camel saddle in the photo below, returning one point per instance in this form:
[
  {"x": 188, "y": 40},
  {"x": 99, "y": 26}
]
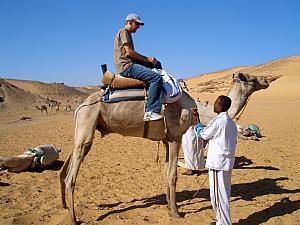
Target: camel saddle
[{"x": 119, "y": 82}]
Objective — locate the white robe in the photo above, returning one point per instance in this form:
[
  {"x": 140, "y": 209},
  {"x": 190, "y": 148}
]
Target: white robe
[
  {"x": 221, "y": 133},
  {"x": 193, "y": 150}
]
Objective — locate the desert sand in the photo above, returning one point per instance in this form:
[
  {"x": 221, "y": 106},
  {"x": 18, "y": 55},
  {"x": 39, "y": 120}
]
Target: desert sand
[{"x": 120, "y": 181}]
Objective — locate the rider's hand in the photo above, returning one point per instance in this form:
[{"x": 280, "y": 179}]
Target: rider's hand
[{"x": 152, "y": 60}]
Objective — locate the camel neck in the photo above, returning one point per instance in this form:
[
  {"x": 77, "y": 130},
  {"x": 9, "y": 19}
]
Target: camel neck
[{"x": 238, "y": 97}]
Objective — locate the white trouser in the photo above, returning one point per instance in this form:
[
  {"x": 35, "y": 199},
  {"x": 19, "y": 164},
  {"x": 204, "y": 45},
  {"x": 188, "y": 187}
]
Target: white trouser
[
  {"x": 220, "y": 189},
  {"x": 193, "y": 150}
]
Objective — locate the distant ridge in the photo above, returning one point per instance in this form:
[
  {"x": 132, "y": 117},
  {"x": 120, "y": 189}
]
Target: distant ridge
[
  {"x": 220, "y": 80},
  {"x": 271, "y": 68},
  {"x": 88, "y": 89},
  {"x": 56, "y": 91}
]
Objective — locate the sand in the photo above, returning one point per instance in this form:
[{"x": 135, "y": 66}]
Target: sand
[{"x": 120, "y": 181}]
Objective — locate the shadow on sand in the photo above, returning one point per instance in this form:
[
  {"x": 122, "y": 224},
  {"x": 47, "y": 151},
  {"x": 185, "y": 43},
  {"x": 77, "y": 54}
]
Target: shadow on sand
[
  {"x": 284, "y": 206},
  {"x": 242, "y": 162},
  {"x": 55, "y": 166},
  {"x": 245, "y": 191},
  {"x": 4, "y": 184}
]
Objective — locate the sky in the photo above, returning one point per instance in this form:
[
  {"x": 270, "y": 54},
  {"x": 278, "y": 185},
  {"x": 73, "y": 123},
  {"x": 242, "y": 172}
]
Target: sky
[{"x": 66, "y": 41}]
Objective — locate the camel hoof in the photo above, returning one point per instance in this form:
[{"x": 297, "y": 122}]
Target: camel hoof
[
  {"x": 64, "y": 205},
  {"x": 174, "y": 214}
]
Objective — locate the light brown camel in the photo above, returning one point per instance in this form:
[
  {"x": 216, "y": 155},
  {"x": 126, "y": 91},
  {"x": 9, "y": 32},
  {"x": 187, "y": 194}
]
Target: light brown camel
[
  {"x": 42, "y": 108},
  {"x": 126, "y": 118}
]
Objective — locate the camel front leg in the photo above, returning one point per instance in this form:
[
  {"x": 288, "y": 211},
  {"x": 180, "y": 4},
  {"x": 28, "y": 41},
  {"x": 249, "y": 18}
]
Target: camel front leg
[
  {"x": 62, "y": 176},
  {"x": 79, "y": 152},
  {"x": 172, "y": 177},
  {"x": 84, "y": 133}
]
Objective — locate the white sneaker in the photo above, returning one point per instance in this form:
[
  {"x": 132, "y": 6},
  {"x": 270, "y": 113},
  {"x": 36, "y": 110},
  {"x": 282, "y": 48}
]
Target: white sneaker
[{"x": 151, "y": 116}]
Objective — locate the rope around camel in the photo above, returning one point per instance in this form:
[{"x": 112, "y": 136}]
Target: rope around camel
[{"x": 198, "y": 189}]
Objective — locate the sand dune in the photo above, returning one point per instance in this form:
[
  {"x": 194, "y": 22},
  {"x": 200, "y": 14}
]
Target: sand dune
[{"x": 120, "y": 181}]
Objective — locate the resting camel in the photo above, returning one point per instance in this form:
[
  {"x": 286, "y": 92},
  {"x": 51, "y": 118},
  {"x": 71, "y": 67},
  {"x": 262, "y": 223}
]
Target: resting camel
[
  {"x": 126, "y": 118},
  {"x": 43, "y": 108}
]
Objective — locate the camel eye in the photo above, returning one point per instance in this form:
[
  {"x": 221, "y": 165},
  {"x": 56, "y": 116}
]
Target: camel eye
[{"x": 242, "y": 77}]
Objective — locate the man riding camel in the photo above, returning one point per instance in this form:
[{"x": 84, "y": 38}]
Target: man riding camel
[{"x": 131, "y": 64}]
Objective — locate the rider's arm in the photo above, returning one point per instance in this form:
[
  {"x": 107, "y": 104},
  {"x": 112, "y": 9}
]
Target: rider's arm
[{"x": 136, "y": 56}]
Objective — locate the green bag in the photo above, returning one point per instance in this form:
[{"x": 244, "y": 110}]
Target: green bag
[{"x": 255, "y": 129}]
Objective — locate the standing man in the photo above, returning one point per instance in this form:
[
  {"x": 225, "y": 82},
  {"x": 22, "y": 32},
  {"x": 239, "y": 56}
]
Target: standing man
[
  {"x": 221, "y": 133},
  {"x": 129, "y": 63}
]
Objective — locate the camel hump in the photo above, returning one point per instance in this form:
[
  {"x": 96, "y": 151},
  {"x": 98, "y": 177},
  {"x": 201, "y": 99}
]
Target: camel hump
[{"x": 120, "y": 82}]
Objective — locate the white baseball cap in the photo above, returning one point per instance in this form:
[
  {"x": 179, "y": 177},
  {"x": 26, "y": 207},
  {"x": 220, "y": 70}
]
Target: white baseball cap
[{"x": 133, "y": 16}]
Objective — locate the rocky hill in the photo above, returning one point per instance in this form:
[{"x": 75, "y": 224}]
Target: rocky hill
[
  {"x": 14, "y": 98},
  {"x": 55, "y": 91},
  {"x": 26, "y": 94}
]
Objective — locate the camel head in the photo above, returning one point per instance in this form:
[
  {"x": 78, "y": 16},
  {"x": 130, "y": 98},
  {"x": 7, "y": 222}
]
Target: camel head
[
  {"x": 243, "y": 86},
  {"x": 251, "y": 83}
]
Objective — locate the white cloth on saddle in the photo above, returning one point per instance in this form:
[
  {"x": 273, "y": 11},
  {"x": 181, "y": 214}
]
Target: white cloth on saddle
[
  {"x": 193, "y": 150},
  {"x": 45, "y": 155},
  {"x": 40, "y": 156},
  {"x": 172, "y": 90}
]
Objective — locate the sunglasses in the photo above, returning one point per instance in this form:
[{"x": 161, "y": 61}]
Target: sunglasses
[{"x": 137, "y": 23}]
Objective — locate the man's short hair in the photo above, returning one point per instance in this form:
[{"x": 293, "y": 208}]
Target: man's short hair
[{"x": 225, "y": 102}]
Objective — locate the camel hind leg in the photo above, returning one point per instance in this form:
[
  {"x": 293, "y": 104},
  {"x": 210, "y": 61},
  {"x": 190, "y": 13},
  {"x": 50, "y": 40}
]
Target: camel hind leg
[
  {"x": 167, "y": 174},
  {"x": 86, "y": 122}
]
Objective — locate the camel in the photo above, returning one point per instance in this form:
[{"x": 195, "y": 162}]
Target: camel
[
  {"x": 126, "y": 118},
  {"x": 53, "y": 105},
  {"x": 42, "y": 108},
  {"x": 67, "y": 108}
]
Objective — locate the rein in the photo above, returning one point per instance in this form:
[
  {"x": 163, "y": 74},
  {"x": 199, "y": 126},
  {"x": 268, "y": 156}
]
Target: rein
[
  {"x": 196, "y": 114},
  {"x": 198, "y": 189},
  {"x": 241, "y": 112},
  {"x": 185, "y": 86}
]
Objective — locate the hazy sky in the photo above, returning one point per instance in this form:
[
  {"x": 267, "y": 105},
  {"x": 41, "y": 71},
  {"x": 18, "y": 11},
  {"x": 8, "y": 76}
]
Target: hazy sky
[{"x": 67, "y": 41}]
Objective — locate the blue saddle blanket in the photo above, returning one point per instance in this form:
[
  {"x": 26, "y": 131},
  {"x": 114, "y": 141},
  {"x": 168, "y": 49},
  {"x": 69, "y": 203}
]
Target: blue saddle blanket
[{"x": 131, "y": 94}]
